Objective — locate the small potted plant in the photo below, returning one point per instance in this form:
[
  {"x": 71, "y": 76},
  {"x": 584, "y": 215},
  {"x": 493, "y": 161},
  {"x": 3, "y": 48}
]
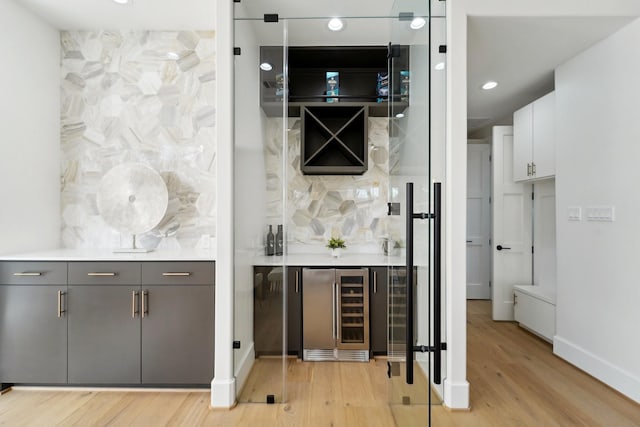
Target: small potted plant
[{"x": 336, "y": 245}]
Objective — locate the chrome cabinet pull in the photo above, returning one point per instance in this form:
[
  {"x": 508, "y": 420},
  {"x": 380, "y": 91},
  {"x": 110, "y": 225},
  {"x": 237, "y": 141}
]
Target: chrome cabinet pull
[
  {"x": 337, "y": 312},
  {"x": 375, "y": 282},
  {"x": 533, "y": 168},
  {"x": 61, "y": 310},
  {"x": 101, "y": 274},
  {"x": 145, "y": 304},
  {"x": 176, "y": 274},
  {"x": 27, "y": 274},
  {"x": 297, "y": 281},
  {"x": 333, "y": 314},
  {"x": 528, "y": 169},
  {"x": 134, "y": 303}
]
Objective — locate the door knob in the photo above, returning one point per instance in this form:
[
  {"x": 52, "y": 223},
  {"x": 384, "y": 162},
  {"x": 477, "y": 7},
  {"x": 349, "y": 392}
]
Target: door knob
[{"x": 500, "y": 247}]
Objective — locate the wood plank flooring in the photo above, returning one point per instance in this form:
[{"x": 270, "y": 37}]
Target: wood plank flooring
[{"x": 515, "y": 381}]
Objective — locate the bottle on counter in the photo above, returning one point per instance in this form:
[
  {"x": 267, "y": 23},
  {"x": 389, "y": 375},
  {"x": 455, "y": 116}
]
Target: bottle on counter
[
  {"x": 279, "y": 241},
  {"x": 270, "y": 248}
]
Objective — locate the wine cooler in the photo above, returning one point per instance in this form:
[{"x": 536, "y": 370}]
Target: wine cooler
[{"x": 335, "y": 307}]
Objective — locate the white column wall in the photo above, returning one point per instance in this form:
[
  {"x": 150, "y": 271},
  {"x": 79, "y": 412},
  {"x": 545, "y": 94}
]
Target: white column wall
[
  {"x": 30, "y": 131},
  {"x": 597, "y": 165},
  {"x": 223, "y": 393}
]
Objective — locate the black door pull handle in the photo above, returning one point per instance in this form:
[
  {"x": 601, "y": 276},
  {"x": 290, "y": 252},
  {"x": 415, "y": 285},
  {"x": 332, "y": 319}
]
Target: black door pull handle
[{"x": 500, "y": 247}]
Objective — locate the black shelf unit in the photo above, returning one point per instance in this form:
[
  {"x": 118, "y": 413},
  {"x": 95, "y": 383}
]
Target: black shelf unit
[
  {"x": 358, "y": 67},
  {"x": 334, "y": 140}
]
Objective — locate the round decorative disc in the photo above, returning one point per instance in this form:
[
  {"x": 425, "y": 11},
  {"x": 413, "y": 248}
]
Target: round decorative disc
[{"x": 132, "y": 198}]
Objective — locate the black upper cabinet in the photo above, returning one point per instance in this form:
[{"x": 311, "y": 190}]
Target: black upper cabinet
[{"x": 358, "y": 67}]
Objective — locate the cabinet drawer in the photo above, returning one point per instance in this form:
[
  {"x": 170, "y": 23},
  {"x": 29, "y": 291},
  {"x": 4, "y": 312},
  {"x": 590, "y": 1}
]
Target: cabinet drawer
[
  {"x": 104, "y": 273},
  {"x": 178, "y": 273},
  {"x": 535, "y": 314},
  {"x": 33, "y": 273}
]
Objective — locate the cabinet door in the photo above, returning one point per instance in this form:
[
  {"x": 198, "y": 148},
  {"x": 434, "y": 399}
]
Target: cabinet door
[
  {"x": 177, "y": 335},
  {"x": 294, "y": 313},
  {"x": 33, "y": 335},
  {"x": 378, "y": 312},
  {"x": 104, "y": 334},
  {"x": 522, "y": 143},
  {"x": 544, "y": 154}
]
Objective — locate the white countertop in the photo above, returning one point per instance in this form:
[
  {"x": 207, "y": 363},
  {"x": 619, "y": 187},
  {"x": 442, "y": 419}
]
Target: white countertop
[
  {"x": 325, "y": 259},
  {"x": 109, "y": 255}
]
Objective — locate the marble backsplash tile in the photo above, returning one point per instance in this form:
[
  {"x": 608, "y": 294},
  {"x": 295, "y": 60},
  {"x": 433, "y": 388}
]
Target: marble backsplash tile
[
  {"x": 353, "y": 207},
  {"x": 143, "y": 97}
]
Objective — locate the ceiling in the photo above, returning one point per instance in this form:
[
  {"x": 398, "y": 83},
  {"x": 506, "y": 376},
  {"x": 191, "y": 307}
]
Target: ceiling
[
  {"x": 137, "y": 15},
  {"x": 521, "y": 54},
  {"x": 518, "y": 52}
]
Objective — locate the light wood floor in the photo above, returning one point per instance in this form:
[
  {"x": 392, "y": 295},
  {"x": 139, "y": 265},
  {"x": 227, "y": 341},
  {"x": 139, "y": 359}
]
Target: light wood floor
[{"x": 515, "y": 381}]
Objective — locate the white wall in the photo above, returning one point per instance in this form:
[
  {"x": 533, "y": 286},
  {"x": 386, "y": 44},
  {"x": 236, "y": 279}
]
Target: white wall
[
  {"x": 29, "y": 131},
  {"x": 544, "y": 234},
  {"x": 457, "y": 12},
  {"x": 598, "y": 131}
]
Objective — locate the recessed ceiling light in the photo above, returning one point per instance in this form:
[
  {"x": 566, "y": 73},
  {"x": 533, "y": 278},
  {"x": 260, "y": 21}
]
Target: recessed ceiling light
[
  {"x": 489, "y": 85},
  {"x": 335, "y": 24},
  {"x": 173, "y": 55},
  {"x": 121, "y": 1},
  {"x": 417, "y": 23},
  {"x": 399, "y": 115},
  {"x": 439, "y": 66},
  {"x": 265, "y": 66}
]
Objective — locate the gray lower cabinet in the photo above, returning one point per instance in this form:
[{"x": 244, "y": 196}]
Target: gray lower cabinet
[
  {"x": 101, "y": 323},
  {"x": 104, "y": 322},
  {"x": 33, "y": 337},
  {"x": 104, "y": 334},
  {"x": 33, "y": 325},
  {"x": 378, "y": 310},
  {"x": 177, "y": 335},
  {"x": 294, "y": 311}
]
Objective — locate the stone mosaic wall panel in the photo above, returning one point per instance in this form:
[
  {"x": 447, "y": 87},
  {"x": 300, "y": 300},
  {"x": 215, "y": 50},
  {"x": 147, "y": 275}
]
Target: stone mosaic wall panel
[
  {"x": 353, "y": 207},
  {"x": 143, "y": 97}
]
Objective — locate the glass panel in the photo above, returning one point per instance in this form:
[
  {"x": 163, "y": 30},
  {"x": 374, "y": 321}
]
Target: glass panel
[
  {"x": 416, "y": 147},
  {"x": 278, "y": 181},
  {"x": 260, "y": 273},
  {"x": 286, "y": 9}
]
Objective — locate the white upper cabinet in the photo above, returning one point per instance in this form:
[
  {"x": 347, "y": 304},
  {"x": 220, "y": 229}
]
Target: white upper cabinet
[{"x": 534, "y": 140}]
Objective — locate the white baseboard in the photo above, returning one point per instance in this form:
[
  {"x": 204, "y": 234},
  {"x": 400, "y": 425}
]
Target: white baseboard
[
  {"x": 244, "y": 367},
  {"x": 223, "y": 393},
  {"x": 456, "y": 394},
  {"x": 615, "y": 377}
]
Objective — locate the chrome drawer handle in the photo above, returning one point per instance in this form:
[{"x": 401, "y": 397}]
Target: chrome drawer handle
[
  {"x": 27, "y": 274},
  {"x": 176, "y": 274},
  {"x": 101, "y": 274}
]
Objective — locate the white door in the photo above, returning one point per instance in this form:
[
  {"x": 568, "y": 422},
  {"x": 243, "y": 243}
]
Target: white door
[
  {"x": 478, "y": 221},
  {"x": 511, "y": 243}
]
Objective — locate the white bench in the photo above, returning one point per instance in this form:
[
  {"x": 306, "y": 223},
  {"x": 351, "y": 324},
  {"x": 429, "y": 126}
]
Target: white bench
[{"x": 535, "y": 310}]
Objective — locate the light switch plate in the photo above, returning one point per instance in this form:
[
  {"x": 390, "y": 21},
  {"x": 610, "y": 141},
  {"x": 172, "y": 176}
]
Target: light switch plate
[
  {"x": 600, "y": 213},
  {"x": 574, "y": 213}
]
